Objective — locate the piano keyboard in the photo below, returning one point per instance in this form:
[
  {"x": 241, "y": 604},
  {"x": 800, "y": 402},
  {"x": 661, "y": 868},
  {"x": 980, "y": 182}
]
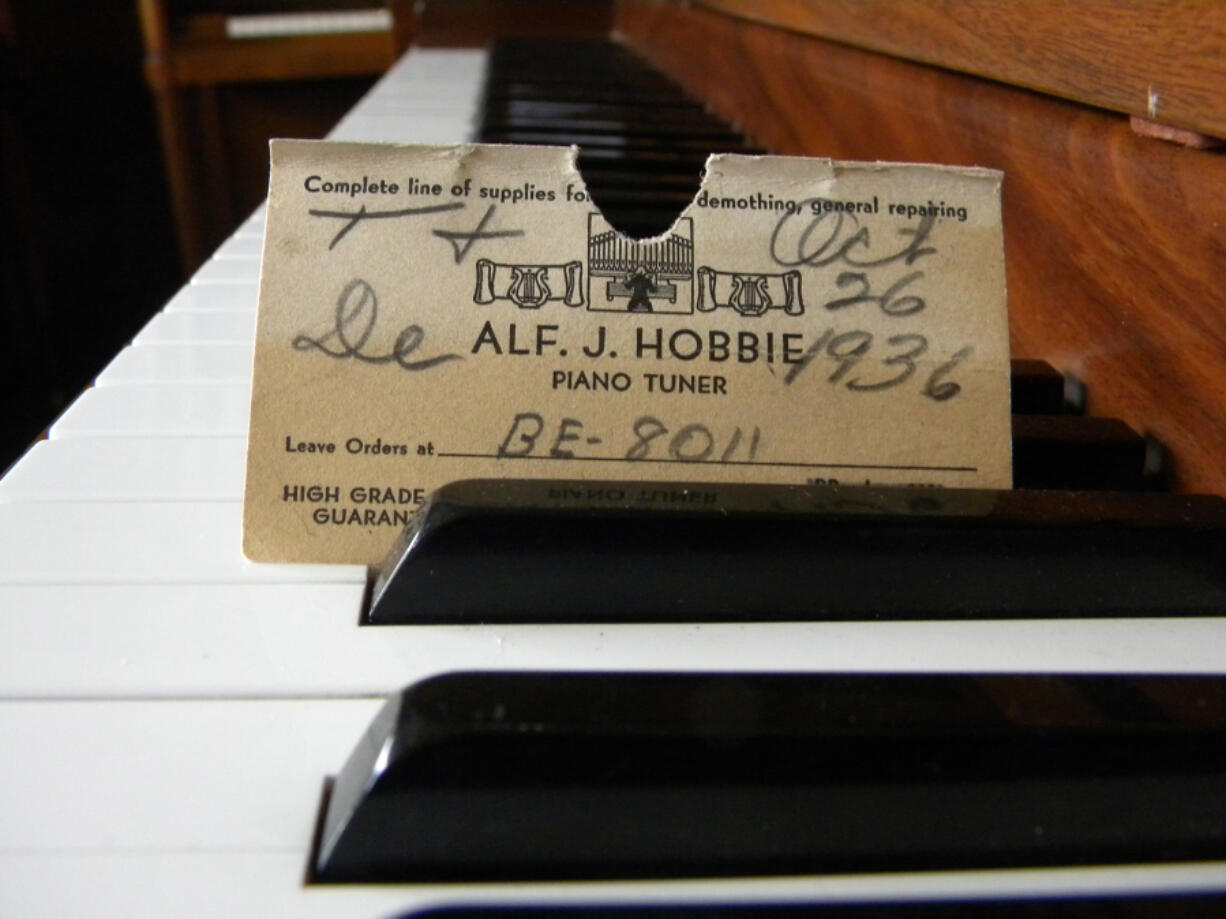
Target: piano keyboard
[{"x": 168, "y": 710}]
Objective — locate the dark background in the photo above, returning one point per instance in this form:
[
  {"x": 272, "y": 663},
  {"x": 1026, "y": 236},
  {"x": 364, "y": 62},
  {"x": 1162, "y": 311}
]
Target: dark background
[
  {"x": 87, "y": 247},
  {"x": 88, "y": 251}
]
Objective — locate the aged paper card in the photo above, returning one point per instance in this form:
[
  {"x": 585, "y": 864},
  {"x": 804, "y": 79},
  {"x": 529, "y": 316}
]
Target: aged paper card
[{"x": 430, "y": 314}]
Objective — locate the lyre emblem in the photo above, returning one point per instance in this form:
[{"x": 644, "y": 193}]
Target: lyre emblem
[
  {"x": 749, "y": 295},
  {"x": 529, "y": 287}
]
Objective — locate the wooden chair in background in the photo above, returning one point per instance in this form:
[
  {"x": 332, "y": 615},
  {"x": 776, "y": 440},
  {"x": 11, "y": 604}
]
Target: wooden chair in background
[{"x": 192, "y": 58}]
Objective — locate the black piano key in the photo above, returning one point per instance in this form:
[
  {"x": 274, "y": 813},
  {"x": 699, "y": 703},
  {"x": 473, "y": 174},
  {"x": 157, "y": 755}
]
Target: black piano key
[
  {"x": 504, "y": 551},
  {"x": 596, "y": 63},
  {"x": 643, "y": 142},
  {"x": 602, "y": 98},
  {"x": 1071, "y": 452},
  {"x": 1041, "y": 389},
  {"x": 519, "y": 776}
]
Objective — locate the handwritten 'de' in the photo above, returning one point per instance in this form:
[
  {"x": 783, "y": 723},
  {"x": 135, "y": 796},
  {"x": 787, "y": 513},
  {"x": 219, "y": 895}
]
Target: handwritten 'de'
[{"x": 357, "y": 312}]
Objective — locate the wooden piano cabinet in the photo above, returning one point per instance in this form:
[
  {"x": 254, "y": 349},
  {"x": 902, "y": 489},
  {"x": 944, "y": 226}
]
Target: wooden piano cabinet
[
  {"x": 1153, "y": 58},
  {"x": 477, "y": 23},
  {"x": 190, "y": 58},
  {"x": 1114, "y": 243}
]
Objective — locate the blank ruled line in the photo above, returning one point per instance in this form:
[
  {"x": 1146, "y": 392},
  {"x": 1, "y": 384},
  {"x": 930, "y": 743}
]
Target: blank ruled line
[{"x": 787, "y": 465}]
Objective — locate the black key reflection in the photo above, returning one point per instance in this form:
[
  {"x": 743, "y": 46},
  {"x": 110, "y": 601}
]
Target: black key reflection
[
  {"x": 500, "y": 776},
  {"x": 526, "y": 551}
]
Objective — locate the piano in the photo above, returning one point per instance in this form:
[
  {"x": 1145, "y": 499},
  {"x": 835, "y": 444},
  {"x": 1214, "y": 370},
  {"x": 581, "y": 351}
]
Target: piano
[{"x": 169, "y": 711}]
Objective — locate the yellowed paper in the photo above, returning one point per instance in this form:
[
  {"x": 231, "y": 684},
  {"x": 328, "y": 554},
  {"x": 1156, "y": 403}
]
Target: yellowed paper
[{"x": 430, "y": 314}]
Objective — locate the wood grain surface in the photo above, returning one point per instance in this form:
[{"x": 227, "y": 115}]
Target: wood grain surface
[
  {"x": 1159, "y": 59},
  {"x": 205, "y": 63},
  {"x": 1114, "y": 243},
  {"x": 474, "y": 23}
]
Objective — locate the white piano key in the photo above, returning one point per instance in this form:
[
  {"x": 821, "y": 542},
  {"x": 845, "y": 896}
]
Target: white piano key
[
  {"x": 129, "y": 469},
  {"x": 211, "y": 885},
  {"x": 205, "y": 362},
  {"x": 437, "y": 65},
  {"x": 241, "y": 247},
  {"x": 447, "y": 101},
  {"x": 463, "y": 91},
  {"x": 254, "y": 224},
  {"x": 221, "y": 641},
  {"x": 152, "y": 410},
  {"x": 199, "y": 325},
  {"x": 429, "y": 97},
  {"x": 228, "y": 271},
  {"x": 397, "y": 129},
  {"x": 197, "y": 885},
  {"x": 222, "y": 297},
  {"x": 455, "y": 88},
  {"x": 433, "y": 103},
  {"x": 132, "y": 785},
  {"x": 211, "y": 776},
  {"x": 139, "y": 543},
  {"x": 251, "y": 640},
  {"x": 417, "y": 121}
]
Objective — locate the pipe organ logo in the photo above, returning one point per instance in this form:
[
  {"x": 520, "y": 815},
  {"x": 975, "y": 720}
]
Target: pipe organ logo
[
  {"x": 639, "y": 276},
  {"x": 632, "y": 276}
]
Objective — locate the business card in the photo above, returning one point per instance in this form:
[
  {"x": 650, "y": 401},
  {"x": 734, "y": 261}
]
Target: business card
[{"x": 430, "y": 314}]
